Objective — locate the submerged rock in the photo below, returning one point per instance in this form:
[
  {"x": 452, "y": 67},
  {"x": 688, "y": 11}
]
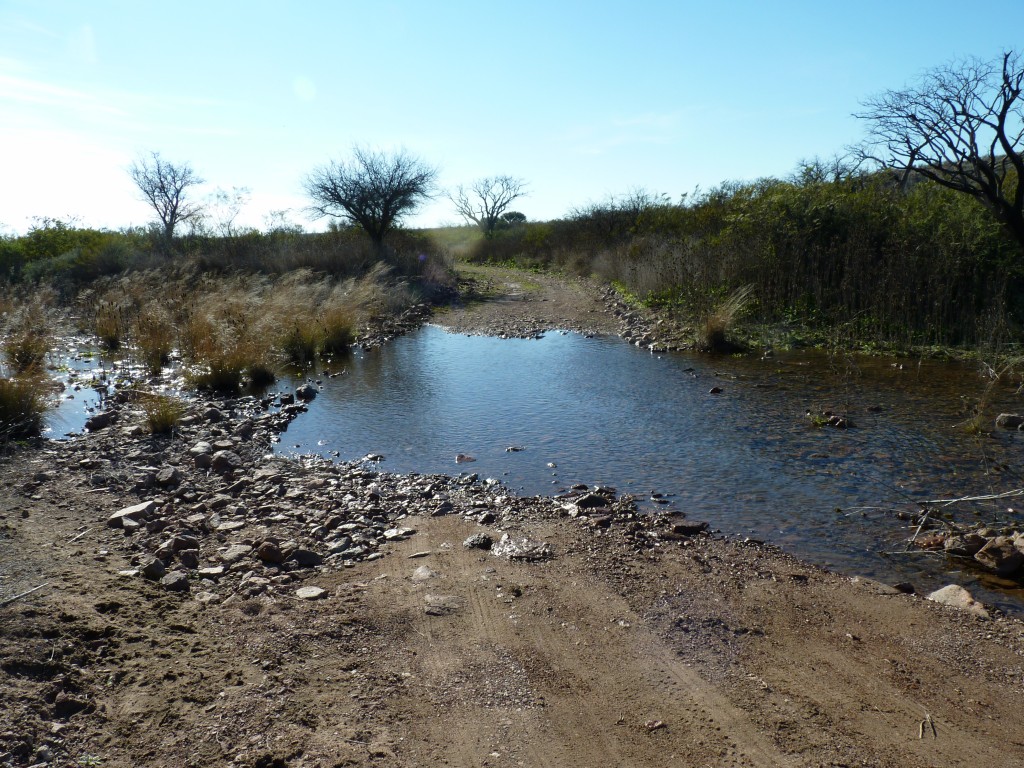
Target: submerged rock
[{"x": 1009, "y": 420}]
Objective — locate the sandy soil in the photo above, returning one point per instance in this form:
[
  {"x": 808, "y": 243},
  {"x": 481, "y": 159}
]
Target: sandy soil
[{"x": 628, "y": 646}]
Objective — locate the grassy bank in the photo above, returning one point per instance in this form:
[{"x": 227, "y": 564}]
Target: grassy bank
[
  {"x": 233, "y": 310},
  {"x": 849, "y": 258}
]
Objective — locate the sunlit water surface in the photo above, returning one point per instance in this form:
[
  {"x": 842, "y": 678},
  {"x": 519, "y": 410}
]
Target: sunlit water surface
[{"x": 748, "y": 459}]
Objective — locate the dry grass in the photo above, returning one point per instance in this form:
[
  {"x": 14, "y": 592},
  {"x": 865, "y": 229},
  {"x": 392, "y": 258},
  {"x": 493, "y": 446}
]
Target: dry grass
[
  {"x": 154, "y": 336},
  {"x": 28, "y": 336},
  {"x": 163, "y": 412},
  {"x": 22, "y": 405},
  {"x": 716, "y": 326}
]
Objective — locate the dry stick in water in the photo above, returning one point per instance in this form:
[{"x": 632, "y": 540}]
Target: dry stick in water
[{"x": 10, "y": 600}]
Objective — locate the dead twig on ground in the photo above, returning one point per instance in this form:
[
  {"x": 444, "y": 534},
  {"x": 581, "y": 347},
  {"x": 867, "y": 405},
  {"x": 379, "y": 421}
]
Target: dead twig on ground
[{"x": 10, "y": 600}]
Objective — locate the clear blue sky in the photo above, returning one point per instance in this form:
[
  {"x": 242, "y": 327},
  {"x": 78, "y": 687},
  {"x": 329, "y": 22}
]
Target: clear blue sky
[{"x": 581, "y": 99}]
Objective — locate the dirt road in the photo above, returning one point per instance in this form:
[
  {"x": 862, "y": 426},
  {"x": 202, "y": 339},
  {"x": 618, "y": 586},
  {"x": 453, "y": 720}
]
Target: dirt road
[{"x": 626, "y": 642}]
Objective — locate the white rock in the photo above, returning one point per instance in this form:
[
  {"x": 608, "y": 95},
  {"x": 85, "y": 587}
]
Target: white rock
[
  {"x": 310, "y": 593},
  {"x": 958, "y": 597}
]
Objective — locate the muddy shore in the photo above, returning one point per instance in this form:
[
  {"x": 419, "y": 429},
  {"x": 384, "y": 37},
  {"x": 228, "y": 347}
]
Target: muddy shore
[{"x": 206, "y": 603}]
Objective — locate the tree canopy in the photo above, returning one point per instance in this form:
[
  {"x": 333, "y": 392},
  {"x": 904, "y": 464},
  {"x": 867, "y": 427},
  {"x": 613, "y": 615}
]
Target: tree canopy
[
  {"x": 165, "y": 186},
  {"x": 487, "y": 199},
  {"x": 373, "y": 190},
  {"x": 961, "y": 125}
]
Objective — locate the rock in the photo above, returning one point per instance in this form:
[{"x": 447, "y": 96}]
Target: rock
[
  {"x": 189, "y": 558},
  {"x": 203, "y": 461},
  {"x": 200, "y": 448},
  {"x": 397, "y": 534},
  {"x": 135, "y": 512},
  {"x": 99, "y": 421},
  {"x": 478, "y": 541},
  {"x": 305, "y": 558},
  {"x": 958, "y": 597},
  {"x": 310, "y": 593},
  {"x": 184, "y": 541},
  {"x": 591, "y": 501},
  {"x": 1000, "y": 556},
  {"x": 235, "y": 552},
  {"x": 715, "y": 391},
  {"x": 287, "y": 399},
  {"x": 269, "y": 552},
  {"x": 212, "y": 572},
  {"x": 153, "y": 568},
  {"x": 964, "y": 544},
  {"x": 424, "y": 573},
  {"x": 213, "y": 415},
  {"x": 689, "y": 527},
  {"x": 306, "y": 392},
  {"x": 175, "y": 581},
  {"x": 167, "y": 477},
  {"x": 521, "y": 549},
  {"x": 462, "y": 458},
  {"x": 226, "y": 461},
  {"x": 1009, "y": 420}
]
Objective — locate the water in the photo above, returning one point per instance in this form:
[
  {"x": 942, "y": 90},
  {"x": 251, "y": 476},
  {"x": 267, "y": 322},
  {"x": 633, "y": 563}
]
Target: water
[{"x": 748, "y": 460}]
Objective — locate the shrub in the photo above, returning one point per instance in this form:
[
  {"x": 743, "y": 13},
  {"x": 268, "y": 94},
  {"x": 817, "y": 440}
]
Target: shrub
[{"x": 717, "y": 324}]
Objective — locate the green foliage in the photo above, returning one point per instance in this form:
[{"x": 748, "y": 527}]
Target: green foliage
[{"x": 919, "y": 266}]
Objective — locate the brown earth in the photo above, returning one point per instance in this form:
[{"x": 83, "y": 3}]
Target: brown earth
[{"x": 633, "y": 644}]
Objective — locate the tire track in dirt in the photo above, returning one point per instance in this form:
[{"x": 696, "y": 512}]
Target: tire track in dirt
[{"x": 538, "y": 664}]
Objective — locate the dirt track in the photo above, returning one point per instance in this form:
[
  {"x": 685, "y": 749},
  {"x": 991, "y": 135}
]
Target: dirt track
[{"x": 630, "y": 646}]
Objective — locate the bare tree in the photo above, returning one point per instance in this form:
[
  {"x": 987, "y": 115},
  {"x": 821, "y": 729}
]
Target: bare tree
[
  {"x": 373, "y": 190},
  {"x": 222, "y": 208},
  {"x": 486, "y": 199},
  {"x": 962, "y": 127},
  {"x": 165, "y": 186}
]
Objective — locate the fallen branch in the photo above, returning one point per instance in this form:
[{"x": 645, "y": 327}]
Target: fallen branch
[
  {"x": 10, "y": 600},
  {"x": 987, "y": 497},
  {"x": 76, "y": 538}
]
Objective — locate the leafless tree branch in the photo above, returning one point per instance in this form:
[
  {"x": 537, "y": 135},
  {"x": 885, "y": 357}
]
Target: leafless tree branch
[
  {"x": 165, "y": 186},
  {"x": 487, "y": 199},
  {"x": 961, "y": 126}
]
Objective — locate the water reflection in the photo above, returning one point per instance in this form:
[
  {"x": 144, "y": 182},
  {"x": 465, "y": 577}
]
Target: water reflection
[{"x": 747, "y": 459}]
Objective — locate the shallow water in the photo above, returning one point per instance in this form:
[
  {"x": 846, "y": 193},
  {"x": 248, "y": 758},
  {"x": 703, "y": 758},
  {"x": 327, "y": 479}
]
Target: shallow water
[{"x": 748, "y": 460}]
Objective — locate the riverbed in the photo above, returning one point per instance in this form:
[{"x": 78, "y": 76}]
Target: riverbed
[{"x": 737, "y": 441}]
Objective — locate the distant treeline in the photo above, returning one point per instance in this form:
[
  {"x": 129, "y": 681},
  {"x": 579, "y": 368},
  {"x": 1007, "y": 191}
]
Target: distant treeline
[{"x": 884, "y": 261}]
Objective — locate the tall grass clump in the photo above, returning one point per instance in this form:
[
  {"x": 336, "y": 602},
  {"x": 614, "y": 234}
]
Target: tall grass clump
[
  {"x": 21, "y": 408},
  {"x": 716, "y": 326},
  {"x": 163, "y": 412},
  {"x": 154, "y": 336},
  {"x": 28, "y": 336}
]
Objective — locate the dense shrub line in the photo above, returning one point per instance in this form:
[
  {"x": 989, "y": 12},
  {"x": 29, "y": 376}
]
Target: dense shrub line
[{"x": 914, "y": 265}]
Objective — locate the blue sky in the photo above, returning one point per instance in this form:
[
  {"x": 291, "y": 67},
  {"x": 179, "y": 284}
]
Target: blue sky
[{"x": 581, "y": 99}]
